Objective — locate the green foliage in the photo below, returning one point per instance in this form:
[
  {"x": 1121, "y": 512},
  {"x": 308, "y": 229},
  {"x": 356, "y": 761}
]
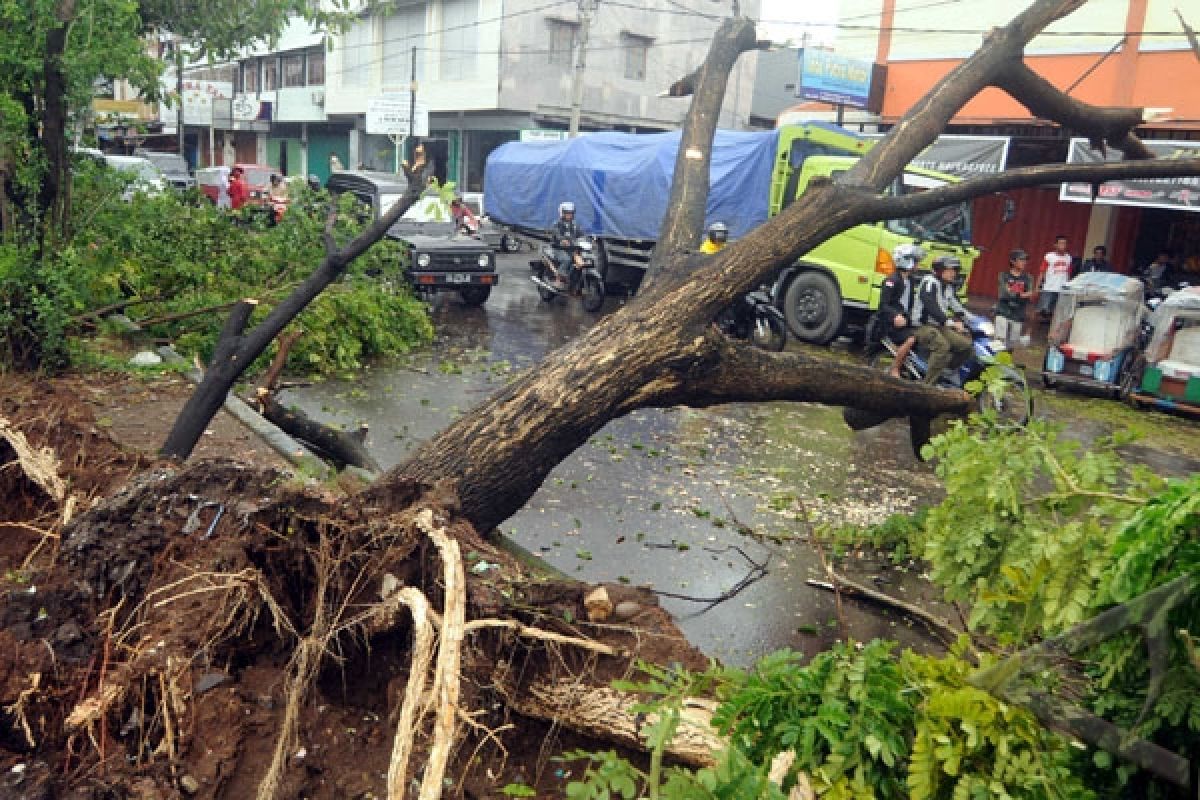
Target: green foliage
[
  {"x": 175, "y": 255},
  {"x": 1024, "y": 533},
  {"x": 844, "y": 714}
]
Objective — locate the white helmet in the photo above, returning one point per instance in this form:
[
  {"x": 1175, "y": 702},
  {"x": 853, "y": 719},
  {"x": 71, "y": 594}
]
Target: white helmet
[
  {"x": 906, "y": 256},
  {"x": 565, "y": 207}
]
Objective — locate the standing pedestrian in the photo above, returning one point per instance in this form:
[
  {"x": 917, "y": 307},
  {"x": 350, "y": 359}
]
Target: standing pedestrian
[
  {"x": 1098, "y": 262},
  {"x": 1053, "y": 276},
  {"x": 1013, "y": 293},
  {"x": 223, "y": 187},
  {"x": 239, "y": 190}
]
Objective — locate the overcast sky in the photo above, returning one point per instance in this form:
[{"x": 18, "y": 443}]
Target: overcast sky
[{"x": 786, "y": 19}]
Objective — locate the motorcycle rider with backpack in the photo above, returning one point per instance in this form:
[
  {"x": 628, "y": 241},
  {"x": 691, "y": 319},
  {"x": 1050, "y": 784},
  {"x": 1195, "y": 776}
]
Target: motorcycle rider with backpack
[{"x": 937, "y": 311}]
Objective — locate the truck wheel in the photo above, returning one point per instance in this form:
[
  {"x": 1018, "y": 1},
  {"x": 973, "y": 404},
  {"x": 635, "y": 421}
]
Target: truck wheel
[
  {"x": 475, "y": 295},
  {"x": 813, "y": 307}
]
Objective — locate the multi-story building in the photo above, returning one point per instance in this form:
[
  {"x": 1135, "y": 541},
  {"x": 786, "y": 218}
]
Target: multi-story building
[
  {"x": 485, "y": 70},
  {"x": 1108, "y": 53}
]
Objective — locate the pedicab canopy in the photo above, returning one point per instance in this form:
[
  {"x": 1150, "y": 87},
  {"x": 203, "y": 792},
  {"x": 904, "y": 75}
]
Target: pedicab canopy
[
  {"x": 1098, "y": 314},
  {"x": 1175, "y": 345}
]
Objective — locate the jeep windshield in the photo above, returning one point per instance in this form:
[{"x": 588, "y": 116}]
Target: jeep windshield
[{"x": 951, "y": 224}]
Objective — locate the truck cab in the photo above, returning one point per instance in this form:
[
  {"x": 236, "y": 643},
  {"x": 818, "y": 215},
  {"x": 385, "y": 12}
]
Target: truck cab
[{"x": 835, "y": 287}]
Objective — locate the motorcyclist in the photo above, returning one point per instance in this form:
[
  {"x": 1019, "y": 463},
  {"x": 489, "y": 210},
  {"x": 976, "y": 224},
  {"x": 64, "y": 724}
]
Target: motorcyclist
[
  {"x": 718, "y": 235},
  {"x": 939, "y": 313},
  {"x": 565, "y": 232},
  {"x": 896, "y": 299}
]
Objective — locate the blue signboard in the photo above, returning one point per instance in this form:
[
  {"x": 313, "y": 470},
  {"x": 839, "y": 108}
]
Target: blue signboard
[{"x": 831, "y": 78}]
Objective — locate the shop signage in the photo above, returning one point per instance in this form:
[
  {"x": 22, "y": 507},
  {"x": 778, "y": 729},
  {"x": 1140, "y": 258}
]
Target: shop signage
[
  {"x": 830, "y": 78},
  {"x": 962, "y": 156},
  {"x": 542, "y": 135},
  {"x": 388, "y": 114},
  {"x": 1180, "y": 194},
  {"x": 198, "y": 99}
]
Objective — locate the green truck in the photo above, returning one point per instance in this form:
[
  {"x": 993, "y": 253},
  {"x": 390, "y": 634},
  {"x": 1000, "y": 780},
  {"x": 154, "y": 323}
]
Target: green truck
[{"x": 620, "y": 184}]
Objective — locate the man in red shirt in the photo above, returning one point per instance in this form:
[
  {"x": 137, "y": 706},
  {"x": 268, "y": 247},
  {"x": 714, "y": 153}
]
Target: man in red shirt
[
  {"x": 239, "y": 190},
  {"x": 1053, "y": 275}
]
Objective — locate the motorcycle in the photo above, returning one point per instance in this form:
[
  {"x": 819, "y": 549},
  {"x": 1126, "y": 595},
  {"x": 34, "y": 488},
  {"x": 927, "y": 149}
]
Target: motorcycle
[
  {"x": 754, "y": 316},
  {"x": 553, "y": 278},
  {"x": 1012, "y": 403}
]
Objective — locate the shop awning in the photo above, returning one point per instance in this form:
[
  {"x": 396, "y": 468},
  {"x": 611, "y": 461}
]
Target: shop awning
[{"x": 1179, "y": 194}]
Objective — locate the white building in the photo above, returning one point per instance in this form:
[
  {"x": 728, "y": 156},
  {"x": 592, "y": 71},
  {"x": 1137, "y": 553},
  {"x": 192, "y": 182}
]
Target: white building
[{"x": 485, "y": 70}]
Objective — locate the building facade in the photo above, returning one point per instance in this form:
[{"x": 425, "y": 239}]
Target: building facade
[{"x": 485, "y": 70}]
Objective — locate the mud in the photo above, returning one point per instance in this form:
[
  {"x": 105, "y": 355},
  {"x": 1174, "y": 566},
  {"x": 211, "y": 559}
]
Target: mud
[{"x": 154, "y": 646}]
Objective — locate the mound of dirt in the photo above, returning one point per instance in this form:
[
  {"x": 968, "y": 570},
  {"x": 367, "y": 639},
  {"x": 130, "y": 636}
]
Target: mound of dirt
[{"x": 223, "y": 630}]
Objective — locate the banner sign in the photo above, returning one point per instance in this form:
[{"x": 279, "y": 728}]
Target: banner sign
[
  {"x": 962, "y": 156},
  {"x": 1179, "y": 194},
  {"x": 542, "y": 135},
  {"x": 388, "y": 113},
  {"x": 198, "y": 99},
  {"x": 830, "y": 78}
]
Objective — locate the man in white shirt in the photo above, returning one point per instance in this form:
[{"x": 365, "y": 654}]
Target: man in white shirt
[{"x": 1053, "y": 276}]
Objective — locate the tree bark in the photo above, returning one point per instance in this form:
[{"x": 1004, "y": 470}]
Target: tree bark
[
  {"x": 52, "y": 199},
  {"x": 684, "y": 222},
  {"x": 236, "y": 350}
]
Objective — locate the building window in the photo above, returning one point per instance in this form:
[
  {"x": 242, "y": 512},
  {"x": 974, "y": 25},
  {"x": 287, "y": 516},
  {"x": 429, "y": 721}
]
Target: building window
[
  {"x": 357, "y": 48},
  {"x": 316, "y": 67},
  {"x": 460, "y": 39},
  {"x": 293, "y": 70},
  {"x": 635, "y": 49},
  {"x": 250, "y": 77},
  {"x": 403, "y": 30},
  {"x": 562, "y": 41},
  {"x": 270, "y": 75}
]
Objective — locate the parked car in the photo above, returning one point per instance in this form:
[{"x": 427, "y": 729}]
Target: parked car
[
  {"x": 437, "y": 255},
  {"x": 147, "y": 179},
  {"x": 172, "y": 165},
  {"x": 258, "y": 178}
]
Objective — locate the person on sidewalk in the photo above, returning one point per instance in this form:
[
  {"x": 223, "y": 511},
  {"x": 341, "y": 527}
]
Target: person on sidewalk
[
  {"x": 1053, "y": 276},
  {"x": 937, "y": 310},
  {"x": 1013, "y": 293},
  {"x": 239, "y": 190},
  {"x": 1098, "y": 262}
]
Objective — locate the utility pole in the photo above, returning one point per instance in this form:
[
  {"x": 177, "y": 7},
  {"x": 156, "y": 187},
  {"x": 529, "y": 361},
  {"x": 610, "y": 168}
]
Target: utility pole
[
  {"x": 412, "y": 101},
  {"x": 179, "y": 91},
  {"x": 586, "y": 7}
]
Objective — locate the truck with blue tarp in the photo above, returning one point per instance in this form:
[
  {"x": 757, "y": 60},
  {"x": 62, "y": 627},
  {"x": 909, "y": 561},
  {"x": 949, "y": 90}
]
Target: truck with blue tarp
[{"x": 621, "y": 182}]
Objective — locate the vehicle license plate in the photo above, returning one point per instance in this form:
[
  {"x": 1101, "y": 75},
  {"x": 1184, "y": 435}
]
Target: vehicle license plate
[
  {"x": 458, "y": 277},
  {"x": 1085, "y": 369}
]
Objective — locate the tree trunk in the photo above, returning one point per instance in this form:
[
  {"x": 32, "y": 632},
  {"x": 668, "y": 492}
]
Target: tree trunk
[{"x": 52, "y": 199}]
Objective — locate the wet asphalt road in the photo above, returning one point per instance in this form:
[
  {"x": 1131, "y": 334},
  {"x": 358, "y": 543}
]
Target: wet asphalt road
[{"x": 664, "y": 497}]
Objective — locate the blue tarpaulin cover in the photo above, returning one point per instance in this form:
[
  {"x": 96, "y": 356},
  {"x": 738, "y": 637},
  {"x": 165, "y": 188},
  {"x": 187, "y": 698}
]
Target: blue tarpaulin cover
[{"x": 620, "y": 182}]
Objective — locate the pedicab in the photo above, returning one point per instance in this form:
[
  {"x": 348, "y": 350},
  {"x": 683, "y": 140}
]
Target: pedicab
[
  {"x": 1093, "y": 336},
  {"x": 1167, "y": 372}
]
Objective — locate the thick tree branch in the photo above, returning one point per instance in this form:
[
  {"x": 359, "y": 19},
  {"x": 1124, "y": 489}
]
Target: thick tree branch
[
  {"x": 684, "y": 222},
  {"x": 929, "y": 116},
  {"x": 1190, "y": 33},
  {"x": 742, "y": 373},
  {"x": 895, "y": 207},
  {"x": 1044, "y": 99}
]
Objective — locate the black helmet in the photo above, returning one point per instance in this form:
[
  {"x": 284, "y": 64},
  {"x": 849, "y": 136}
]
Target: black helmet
[
  {"x": 947, "y": 262},
  {"x": 718, "y": 232},
  {"x": 314, "y": 183}
]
